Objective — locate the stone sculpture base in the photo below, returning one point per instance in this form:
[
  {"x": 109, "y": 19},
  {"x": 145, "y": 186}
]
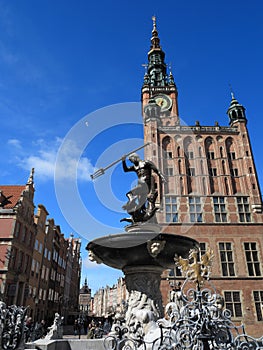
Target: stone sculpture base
[{"x": 145, "y": 299}]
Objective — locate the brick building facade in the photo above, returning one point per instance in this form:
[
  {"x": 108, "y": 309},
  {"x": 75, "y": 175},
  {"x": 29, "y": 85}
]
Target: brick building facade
[
  {"x": 212, "y": 192},
  {"x": 39, "y": 267}
]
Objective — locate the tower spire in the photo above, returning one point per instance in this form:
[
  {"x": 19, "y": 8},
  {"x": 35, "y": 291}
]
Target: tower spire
[
  {"x": 156, "y": 72},
  {"x": 155, "y": 38}
]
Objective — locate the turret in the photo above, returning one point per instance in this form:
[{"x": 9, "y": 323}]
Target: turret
[{"x": 236, "y": 112}]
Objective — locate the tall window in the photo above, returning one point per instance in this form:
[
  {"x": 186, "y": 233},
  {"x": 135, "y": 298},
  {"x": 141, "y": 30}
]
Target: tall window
[
  {"x": 226, "y": 257},
  {"x": 189, "y": 154},
  {"x": 213, "y": 171},
  {"x": 33, "y": 265},
  {"x": 168, "y": 154},
  {"x": 210, "y": 155},
  {"x": 258, "y": 299},
  {"x": 220, "y": 209},
  {"x": 191, "y": 171},
  {"x": 171, "y": 214},
  {"x": 233, "y": 303},
  {"x": 234, "y": 172},
  {"x": 195, "y": 207},
  {"x": 253, "y": 263},
  {"x": 169, "y": 171},
  {"x": 231, "y": 155},
  {"x": 203, "y": 247},
  {"x": 243, "y": 209}
]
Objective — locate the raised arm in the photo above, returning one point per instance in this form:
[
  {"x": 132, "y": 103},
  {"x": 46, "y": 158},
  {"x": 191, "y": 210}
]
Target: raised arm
[{"x": 124, "y": 165}]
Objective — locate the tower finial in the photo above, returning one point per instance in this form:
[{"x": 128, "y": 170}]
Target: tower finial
[
  {"x": 154, "y": 22},
  {"x": 155, "y": 39}
]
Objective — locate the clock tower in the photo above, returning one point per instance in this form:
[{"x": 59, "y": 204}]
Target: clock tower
[
  {"x": 212, "y": 192},
  {"x": 159, "y": 92},
  {"x": 159, "y": 102}
]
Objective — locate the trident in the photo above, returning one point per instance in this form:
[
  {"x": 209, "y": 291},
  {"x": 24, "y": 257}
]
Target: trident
[{"x": 101, "y": 171}]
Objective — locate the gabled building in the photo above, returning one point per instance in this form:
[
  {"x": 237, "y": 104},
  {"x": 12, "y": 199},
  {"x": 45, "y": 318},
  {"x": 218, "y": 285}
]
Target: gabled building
[
  {"x": 17, "y": 238},
  {"x": 39, "y": 267},
  {"x": 212, "y": 192}
]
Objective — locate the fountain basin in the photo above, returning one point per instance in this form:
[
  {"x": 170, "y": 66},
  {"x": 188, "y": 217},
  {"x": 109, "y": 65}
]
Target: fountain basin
[{"x": 140, "y": 249}]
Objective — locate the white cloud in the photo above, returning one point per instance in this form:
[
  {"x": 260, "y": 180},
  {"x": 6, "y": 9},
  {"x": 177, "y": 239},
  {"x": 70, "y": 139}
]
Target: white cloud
[
  {"x": 14, "y": 143},
  {"x": 44, "y": 160}
]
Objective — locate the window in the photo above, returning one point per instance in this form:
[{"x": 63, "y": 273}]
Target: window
[
  {"x": 175, "y": 272},
  {"x": 47, "y": 274},
  {"x": 213, "y": 172},
  {"x": 243, "y": 209},
  {"x": 253, "y": 263},
  {"x": 189, "y": 154},
  {"x": 26, "y": 263},
  {"x": 234, "y": 172},
  {"x": 43, "y": 272},
  {"x": 168, "y": 155},
  {"x": 33, "y": 265},
  {"x": 203, "y": 247},
  {"x": 55, "y": 255},
  {"x": 220, "y": 209},
  {"x": 226, "y": 257},
  {"x": 191, "y": 171},
  {"x": 20, "y": 261},
  {"x": 53, "y": 275},
  {"x": 13, "y": 257},
  {"x": 258, "y": 299},
  {"x": 233, "y": 303},
  {"x": 37, "y": 268},
  {"x": 231, "y": 155},
  {"x": 211, "y": 155},
  {"x": 36, "y": 244},
  {"x": 171, "y": 214},
  {"x": 195, "y": 207},
  {"x": 169, "y": 171},
  {"x": 62, "y": 281}
]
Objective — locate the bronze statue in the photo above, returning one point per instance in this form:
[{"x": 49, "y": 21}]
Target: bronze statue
[{"x": 142, "y": 198}]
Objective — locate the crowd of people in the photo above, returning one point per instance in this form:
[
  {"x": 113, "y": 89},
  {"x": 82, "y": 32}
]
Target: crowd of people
[{"x": 93, "y": 328}]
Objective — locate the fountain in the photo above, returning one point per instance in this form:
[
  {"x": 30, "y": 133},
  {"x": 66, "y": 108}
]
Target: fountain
[{"x": 143, "y": 252}]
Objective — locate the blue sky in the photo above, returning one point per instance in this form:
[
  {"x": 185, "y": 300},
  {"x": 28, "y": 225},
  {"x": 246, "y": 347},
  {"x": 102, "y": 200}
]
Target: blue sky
[{"x": 70, "y": 80}]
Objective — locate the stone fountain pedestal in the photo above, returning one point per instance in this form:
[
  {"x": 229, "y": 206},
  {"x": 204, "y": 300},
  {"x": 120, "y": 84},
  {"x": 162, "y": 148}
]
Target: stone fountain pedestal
[{"x": 142, "y": 253}]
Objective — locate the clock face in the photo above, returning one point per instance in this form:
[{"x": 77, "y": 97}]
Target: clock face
[{"x": 164, "y": 101}]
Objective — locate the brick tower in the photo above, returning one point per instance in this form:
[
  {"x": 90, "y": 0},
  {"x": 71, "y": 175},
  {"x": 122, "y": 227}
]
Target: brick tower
[{"x": 212, "y": 192}]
